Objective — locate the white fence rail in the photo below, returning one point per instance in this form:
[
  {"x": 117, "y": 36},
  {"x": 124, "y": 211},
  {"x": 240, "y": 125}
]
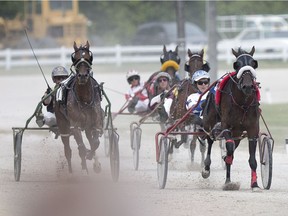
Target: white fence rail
[{"x": 118, "y": 55}]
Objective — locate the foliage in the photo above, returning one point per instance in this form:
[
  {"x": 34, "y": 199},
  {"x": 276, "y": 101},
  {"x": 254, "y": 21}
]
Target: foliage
[
  {"x": 116, "y": 21},
  {"x": 9, "y": 9},
  {"x": 251, "y": 7}
]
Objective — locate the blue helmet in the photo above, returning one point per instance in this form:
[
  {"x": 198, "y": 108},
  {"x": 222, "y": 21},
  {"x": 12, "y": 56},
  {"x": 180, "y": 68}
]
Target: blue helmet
[{"x": 200, "y": 74}]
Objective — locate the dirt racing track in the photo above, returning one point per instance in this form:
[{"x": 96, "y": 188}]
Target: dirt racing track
[{"x": 45, "y": 189}]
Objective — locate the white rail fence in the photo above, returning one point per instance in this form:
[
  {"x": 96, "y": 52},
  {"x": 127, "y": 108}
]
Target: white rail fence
[{"x": 10, "y": 58}]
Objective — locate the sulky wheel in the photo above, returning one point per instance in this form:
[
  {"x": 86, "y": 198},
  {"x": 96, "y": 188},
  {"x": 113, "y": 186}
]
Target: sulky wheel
[
  {"x": 114, "y": 156},
  {"x": 136, "y": 142},
  {"x": 162, "y": 165},
  {"x": 17, "y": 154},
  {"x": 266, "y": 162}
]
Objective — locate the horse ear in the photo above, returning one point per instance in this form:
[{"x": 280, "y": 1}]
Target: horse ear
[
  {"x": 75, "y": 46},
  {"x": 176, "y": 49},
  {"x": 234, "y": 52},
  {"x": 87, "y": 45},
  {"x": 201, "y": 53},
  {"x": 189, "y": 53},
  {"x": 164, "y": 49},
  {"x": 252, "y": 51}
]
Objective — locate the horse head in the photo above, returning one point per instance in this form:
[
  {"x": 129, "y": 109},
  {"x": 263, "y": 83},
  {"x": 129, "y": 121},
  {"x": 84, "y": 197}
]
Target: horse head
[
  {"x": 245, "y": 66},
  {"x": 170, "y": 61},
  {"x": 82, "y": 60},
  {"x": 196, "y": 62}
]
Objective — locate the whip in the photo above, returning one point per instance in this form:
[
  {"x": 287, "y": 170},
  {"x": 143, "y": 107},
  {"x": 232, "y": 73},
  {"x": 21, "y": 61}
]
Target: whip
[{"x": 36, "y": 58}]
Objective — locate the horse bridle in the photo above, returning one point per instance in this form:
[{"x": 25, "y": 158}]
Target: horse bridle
[
  {"x": 244, "y": 64},
  {"x": 163, "y": 59},
  {"x": 83, "y": 49},
  {"x": 205, "y": 66}
]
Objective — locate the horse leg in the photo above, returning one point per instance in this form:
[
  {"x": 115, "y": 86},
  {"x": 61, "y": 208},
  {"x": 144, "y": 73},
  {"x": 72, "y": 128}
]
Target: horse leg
[
  {"x": 230, "y": 147},
  {"x": 193, "y": 147},
  {"x": 81, "y": 147},
  {"x": 202, "y": 150},
  {"x": 67, "y": 151},
  {"x": 253, "y": 162},
  {"x": 207, "y": 161},
  {"x": 93, "y": 138}
]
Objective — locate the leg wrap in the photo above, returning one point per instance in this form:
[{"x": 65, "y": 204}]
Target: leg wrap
[{"x": 229, "y": 159}]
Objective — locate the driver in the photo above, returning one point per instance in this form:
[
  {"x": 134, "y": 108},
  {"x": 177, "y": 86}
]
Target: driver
[
  {"x": 59, "y": 74},
  {"x": 201, "y": 80}
]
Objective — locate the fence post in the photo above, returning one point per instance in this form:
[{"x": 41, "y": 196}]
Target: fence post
[
  {"x": 8, "y": 59},
  {"x": 118, "y": 55}
]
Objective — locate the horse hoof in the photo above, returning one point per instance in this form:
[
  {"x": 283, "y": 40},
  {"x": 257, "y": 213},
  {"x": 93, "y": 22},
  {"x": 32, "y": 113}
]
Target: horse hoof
[
  {"x": 256, "y": 189},
  {"x": 205, "y": 173},
  {"x": 231, "y": 186},
  {"x": 84, "y": 172},
  {"x": 97, "y": 167}
]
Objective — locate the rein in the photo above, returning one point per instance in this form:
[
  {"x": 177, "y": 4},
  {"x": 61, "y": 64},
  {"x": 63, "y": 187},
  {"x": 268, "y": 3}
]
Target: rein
[{"x": 84, "y": 105}]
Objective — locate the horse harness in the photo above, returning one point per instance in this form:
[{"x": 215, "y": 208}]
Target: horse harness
[{"x": 245, "y": 107}]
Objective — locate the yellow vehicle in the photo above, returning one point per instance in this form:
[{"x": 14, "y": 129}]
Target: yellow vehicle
[{"x": 46, "y": 20}]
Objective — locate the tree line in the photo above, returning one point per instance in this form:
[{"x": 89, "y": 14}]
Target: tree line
[{"x": 117, "y": 21}]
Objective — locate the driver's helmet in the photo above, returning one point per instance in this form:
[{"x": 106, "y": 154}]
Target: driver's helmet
[
  {"x": 200, "y": 74},
  {"x": 132, "y": 74},
  {"x": 59, "y": 71},
  {"x": 163, "y": 74}
]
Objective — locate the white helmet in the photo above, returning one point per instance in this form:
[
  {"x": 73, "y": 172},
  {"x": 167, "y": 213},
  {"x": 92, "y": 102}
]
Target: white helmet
[
  {"x": 59, "y": 71},
  {"x": 132, "y": 73},
  {"x": 200, "y": 74},
  {"x": 163, "y": 74}
]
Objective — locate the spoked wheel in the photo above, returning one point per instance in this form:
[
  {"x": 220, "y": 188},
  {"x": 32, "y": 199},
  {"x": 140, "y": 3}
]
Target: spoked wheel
[
  {"x": 162, "y": 165},
  {"x": 266, "y": 162},
  {"x": 223, "y": 152},
  {"x": 136, "y": 146},
  {"x": 17, "y": 154},
  {"x": 114, "y": 156}
]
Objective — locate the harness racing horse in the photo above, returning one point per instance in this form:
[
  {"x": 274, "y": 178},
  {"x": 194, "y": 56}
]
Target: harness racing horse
[
  {"x": 178, "y": 107},
  {"x": 170, "y": 61},
  {"x": 236, "y": 104},
  {"x": 82, "y": 111}
]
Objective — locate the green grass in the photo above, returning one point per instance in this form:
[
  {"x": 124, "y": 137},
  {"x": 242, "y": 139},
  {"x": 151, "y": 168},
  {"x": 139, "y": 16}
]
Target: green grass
[{"x": 276, "y": 118}]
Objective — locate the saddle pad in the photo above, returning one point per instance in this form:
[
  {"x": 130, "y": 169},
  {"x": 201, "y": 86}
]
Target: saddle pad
[{"x": 221, "y": 85}]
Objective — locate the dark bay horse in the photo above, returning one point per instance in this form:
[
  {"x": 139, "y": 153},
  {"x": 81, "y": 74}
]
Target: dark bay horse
[
  {"x": 237, "y": 107},
  {"x": 82, "y": 112},
  {"x": 186, "y": 88},
  {"x": 170, "y": 63}
]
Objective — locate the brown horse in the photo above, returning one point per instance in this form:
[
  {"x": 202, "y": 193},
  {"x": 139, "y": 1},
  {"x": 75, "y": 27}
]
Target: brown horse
[
  {"x": 178, "y": 107},
  {"x": 82, "y": 112},
  {"x": 237, "y": 108}
]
